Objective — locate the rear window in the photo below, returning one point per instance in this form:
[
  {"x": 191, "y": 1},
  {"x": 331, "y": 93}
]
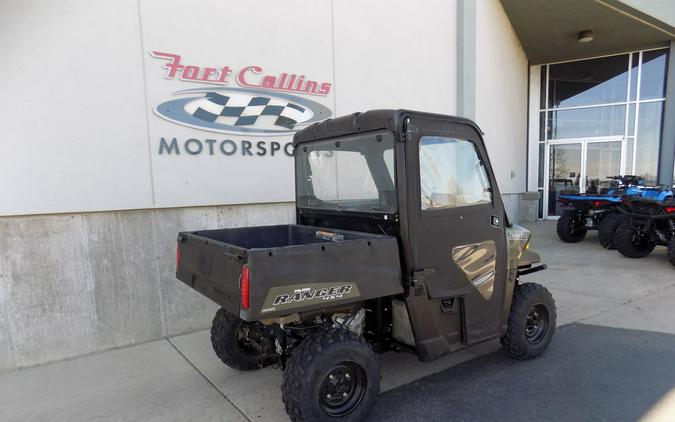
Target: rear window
[
  {"x": 354, "y": 173},
  {"x": 341, "y": 175}
]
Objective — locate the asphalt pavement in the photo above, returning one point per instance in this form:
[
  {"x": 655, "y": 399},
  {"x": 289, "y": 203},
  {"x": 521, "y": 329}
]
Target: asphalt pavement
[{"x": 590, "y": 373}]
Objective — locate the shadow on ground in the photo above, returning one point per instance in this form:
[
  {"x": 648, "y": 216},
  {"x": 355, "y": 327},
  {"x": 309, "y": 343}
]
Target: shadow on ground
[{"x": 590, "y": 373}]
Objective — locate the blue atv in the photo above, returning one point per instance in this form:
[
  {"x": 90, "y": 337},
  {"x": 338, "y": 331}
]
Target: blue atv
[
  {"x": 647, "y": 222},
  {"x": 596, "y": 211},
  {"x": 609, "y": 226}
]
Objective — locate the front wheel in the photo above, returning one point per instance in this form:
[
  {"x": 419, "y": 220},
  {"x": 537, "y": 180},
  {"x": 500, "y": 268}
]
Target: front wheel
[
  {"x": 331, "y": 374},
  {"x": 632, "y": 242},
  {"x": 531, "y": 322},
  {"x": 571, "y": 227}
]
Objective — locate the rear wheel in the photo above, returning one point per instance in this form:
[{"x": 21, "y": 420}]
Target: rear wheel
[
  {"x": 331, "y": 374},
  {"x": 632, "y": 242},
  {"x": 236, "y": 342},
  {"x": 571, "y": 227},
  {"x": 671, "y": 251},
  {"x": 531, "y": 322},
  {"x": 607, "y": 229}
]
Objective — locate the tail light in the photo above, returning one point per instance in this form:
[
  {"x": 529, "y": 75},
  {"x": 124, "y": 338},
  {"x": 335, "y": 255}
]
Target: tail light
[
  {"x": 177, "y": 256},
  {"x": 244, "y": 287},
  {"x": 670, "y": 210},
  {"x": 600, "y": 203}
]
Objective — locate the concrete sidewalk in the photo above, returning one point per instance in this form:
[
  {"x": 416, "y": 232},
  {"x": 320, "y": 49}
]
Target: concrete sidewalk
[{"x": 180, "y": 378}]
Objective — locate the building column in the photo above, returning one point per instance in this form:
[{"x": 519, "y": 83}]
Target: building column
[
  {"x": 667, "y": 150},
  {"x": 466, "y": 58}
]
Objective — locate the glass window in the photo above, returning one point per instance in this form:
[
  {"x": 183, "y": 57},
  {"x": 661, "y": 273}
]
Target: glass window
[
  {"x": 586, "y": 82},
  {"x": 648, "y": 140},
  {"x": 451, "y": 174},
  {"x": 653, "y": 77},
  {"x": 635, "y": 61},
  {"x": 353, "y": 174},
  {"x": 587, "y": 122},
  {"x": 341, "y": 175},
  {"x": 564, "y": 170},
  {"x": 630, "y": 141},
  {"x": 542, "y": 126},
  {"x": 603, "y": 160},
  {"x": 631, "y": 120},
  {"x": 574, "y": 106},
  {"x": 541, "y": 165}
]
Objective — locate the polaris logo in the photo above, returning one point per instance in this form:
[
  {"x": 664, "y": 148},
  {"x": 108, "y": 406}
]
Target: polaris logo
[{"x": 307, "y": 293}]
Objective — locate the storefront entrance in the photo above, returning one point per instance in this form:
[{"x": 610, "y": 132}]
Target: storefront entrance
[
  {"x": 598, "y": 118},
  {"x": 581, "y": 166}
]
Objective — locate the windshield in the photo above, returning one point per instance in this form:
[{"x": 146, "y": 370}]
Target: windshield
[{"x": 354, "y": 173}]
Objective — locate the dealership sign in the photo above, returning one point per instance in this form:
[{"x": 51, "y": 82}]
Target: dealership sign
[{"x": 260, "y": 105}]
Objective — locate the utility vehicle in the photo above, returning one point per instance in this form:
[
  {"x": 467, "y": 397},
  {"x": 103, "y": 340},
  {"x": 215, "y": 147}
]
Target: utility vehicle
[
  {"x": 401, "y": 243},
  {"x": 648, "y": 223},
  {"x": 596, "y": 211}
]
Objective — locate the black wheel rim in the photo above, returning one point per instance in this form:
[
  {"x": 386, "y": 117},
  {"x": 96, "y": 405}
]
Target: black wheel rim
[
  {"x": 342, "y": 388},
  {"x": 640, "y": 240},
  {"x": 577, "y": 225},
  {"x": 536, "y": 325}
]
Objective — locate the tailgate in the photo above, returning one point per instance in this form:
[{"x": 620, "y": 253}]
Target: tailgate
[
  {"x": 211, "y": 267},
  {"x": 317, "y": 276}
]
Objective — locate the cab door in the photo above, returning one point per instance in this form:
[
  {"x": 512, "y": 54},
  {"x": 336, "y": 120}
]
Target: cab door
[{"x": 457, "y": 236}]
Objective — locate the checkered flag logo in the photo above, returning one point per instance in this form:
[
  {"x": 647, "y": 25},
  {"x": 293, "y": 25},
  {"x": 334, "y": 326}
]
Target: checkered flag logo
[
  {"x": 246, "y": 110},
  {"x": 237, "y": 111}
]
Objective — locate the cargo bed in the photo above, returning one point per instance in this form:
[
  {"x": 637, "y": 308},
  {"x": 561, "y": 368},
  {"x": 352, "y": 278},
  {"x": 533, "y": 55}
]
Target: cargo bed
[{"x": 291, "y": 268}]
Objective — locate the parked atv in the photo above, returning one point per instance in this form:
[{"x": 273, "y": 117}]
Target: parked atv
[
  {"x": 596, "y": 211},
  {"x": 648, "y": 223},
  {"x": 402, "y": 244}
]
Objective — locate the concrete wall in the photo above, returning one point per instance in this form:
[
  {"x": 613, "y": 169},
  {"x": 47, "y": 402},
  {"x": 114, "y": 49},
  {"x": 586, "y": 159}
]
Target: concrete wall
[
  {"x": 72, "y": 284},
  {"x": 74, "y": 133},
  {"x": 395, "y": 54},
  {"x": 501, "y": 75},
  {"x": 501, "y": 95},
  {"x": 521, "y": 207}
]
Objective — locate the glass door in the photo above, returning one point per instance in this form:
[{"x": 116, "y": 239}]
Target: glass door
[
  {"x": 603, "y": 159},
  {"x": 564, "y": 173},
  {"x": 580, "y": 166}
]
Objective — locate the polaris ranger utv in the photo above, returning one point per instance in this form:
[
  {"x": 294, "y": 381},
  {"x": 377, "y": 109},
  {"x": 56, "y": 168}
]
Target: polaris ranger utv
[{"x": 402, "y": 243}]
